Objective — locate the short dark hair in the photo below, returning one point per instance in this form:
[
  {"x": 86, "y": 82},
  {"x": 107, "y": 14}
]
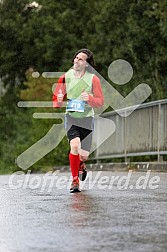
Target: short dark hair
[{"x": 90, "y": 58}]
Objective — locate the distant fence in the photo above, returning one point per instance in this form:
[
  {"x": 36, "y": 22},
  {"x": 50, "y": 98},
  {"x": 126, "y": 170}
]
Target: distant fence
[{"x": 142, "y": 133}]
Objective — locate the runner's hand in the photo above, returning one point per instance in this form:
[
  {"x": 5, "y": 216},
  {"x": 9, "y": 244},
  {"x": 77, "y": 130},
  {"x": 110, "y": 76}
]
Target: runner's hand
[
  {"x": 84, "y": 96},
  {"x": 60, "y": 96}
]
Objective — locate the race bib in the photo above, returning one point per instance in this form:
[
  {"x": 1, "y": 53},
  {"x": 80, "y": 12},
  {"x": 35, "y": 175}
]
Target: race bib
[{"x": 76, "y": 105}]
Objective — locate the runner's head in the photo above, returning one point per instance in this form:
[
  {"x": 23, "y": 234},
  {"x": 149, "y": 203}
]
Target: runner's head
[{"x": 89, "y": 59}]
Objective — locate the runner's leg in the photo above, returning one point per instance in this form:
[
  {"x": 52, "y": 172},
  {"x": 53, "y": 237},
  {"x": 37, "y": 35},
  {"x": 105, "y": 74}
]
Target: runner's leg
[{"x": 74, "y": 156}]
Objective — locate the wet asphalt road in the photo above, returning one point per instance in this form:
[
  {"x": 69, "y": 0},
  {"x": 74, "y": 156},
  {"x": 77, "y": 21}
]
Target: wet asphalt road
[{"x": 125, "y": 215}]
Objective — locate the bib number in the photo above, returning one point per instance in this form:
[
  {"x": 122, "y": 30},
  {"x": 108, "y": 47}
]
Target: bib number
[{"x": 76, "y": 105}]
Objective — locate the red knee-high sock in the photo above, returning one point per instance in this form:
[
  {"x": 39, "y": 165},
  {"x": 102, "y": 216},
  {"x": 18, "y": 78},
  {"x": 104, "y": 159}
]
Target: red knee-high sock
[{"x": 74, "y": 164}]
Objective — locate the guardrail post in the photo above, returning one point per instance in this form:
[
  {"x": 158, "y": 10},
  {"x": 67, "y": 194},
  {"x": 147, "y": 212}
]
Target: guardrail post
[
  {"x": 125, "y": 142},
  {"x": 160, "y": 158}
]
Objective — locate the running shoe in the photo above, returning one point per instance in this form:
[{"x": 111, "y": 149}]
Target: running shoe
[
  {"x": 75, "y": 185},
  {"x": 82, "y": 171}
]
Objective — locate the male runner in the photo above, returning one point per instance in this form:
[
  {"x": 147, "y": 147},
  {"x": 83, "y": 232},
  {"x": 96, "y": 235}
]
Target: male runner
[{"x": 83, "y": 92}]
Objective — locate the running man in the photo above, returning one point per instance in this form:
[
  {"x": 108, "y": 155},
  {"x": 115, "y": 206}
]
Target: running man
[{"x": 82, "y": 90}]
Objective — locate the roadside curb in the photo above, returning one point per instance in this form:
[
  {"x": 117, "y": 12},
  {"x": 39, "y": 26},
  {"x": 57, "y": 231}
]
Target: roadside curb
[{"x": 138, "y": 166}]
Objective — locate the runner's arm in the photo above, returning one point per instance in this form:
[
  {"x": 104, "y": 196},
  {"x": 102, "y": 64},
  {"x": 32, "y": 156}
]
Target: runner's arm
[
  {"x": 97, "y": 100},
  {"x": 60, "y": 85}
]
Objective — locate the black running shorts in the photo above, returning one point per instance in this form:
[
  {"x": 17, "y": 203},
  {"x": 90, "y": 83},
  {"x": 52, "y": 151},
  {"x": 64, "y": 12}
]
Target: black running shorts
[{"x": 82, "y": 128}]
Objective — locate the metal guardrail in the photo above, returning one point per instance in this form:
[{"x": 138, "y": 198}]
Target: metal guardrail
[{"x": 142, "y": 133}]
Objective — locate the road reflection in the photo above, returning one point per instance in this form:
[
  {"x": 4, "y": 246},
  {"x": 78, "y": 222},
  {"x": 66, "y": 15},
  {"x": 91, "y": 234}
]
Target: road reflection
[{"x": 83, "y": 209}]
